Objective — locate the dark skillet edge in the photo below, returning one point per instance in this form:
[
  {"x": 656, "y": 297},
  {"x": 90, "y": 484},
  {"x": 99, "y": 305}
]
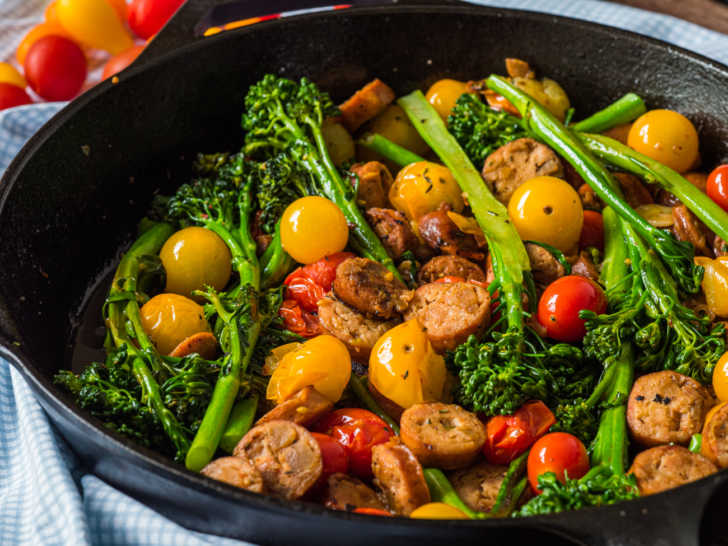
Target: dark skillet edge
[{"x": 58, "y": 404}]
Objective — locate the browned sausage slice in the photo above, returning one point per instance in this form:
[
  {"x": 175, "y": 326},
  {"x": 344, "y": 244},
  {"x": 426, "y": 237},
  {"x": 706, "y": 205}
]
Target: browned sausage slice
[
  {"x": 371, "y": 288},
  {"x": 634, "y": 191},
  {"x": 545, "y": 268},
  {"x": 666, "y": 407},
  {"x": 373, "y": 181},
  {"x": 664, "y": 467},
  {"x": 393, "y": 229},
  {"x": 450, "y": 266},
  {"x": 344, "y": 492},
  {"x": 442, "y": 435},
  {"x": 517, "y": 162},
  {"x": 398, "y": 473},
  {"x": 237, "y": 471},
  {"x": 441, "y": 234},
  {"x": 584, "y": 267},
  {"x": 202, "y": 343},
  {"x": 478, "y": 486},
  {"x": 715, "y": 437},
  {"x": 688, "y": 228},
  {"x": 450, "y": 312},
  {"x": 303, "y": 408},
  {"x": 287, "y": 456},
  {"x": 366, "y": 103},
  {"x": 358, "y": 332}
]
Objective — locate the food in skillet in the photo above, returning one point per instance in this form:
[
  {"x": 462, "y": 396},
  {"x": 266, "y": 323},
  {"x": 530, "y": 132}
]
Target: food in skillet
[{"x": 470, "y": 311}]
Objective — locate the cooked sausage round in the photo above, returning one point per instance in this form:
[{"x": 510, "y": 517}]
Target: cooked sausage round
[
  {"x": 393, "y": 229},
  {"x": 635, "y": 193},
  {"x": 441, "y": 234},
  {"x": 237, "y": 471},
  {"x": 450, "y": 312},
  {"x": 666, "y": 407},
  {"x": 517, "y": 162},
  {"x": 366, "y": 103},
  {"x": 344, "y": 492},
  {"x": 371, "y": 288},
  {"x": 545, "y": 268},
  {"x": 303, "y": 408},
  {"x": 478, "y": 486},
  {"x": 715, "y": 437},
  {"x": 372, "y": 180},
  {"x": 447, "y": 266},
  {"x": 358, "y": 332},
  {"x": 664, "y": 467},
  {"x": 398, "y": 473},
  {"x": 584, "y": 267},
  {"x": 287, "y": 456},
  {"x": 442, "y": 435}
]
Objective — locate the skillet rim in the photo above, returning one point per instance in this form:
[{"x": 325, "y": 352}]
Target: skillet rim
[{"x": 151, "y": 460}]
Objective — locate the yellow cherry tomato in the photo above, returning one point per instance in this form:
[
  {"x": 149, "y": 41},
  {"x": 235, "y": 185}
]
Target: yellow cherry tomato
[
  {"x": 720, "y": 378},
  {"x": 120, "y": 8},
  {"x": 35, "y": 34},
  {"x": 312, "y": 228},
  {"x": 666, "y": 136},
  {"x": 715, "y": 284},
  {"x": 404, "y": 368},
  {"x": 437, "y": 510},
  {"x": 547, "y": 210},
  {"x": 394, "y": 124},
  {"x": 443, "y": 94},
  {"x": 276, "y": 355},
  {"x": 547, "y": 92},
  {"x": 168, "y": 319},
  {"x": 94, "y": 23},
  {"x": 8, "y": 74},
  {"x": 322, "y": 362},
  {"x": 620, "y": 133},
  {"x": 422, "y": 187},
  {"x": 338, "y": 142},
  {"x": 194, "y": 258}
]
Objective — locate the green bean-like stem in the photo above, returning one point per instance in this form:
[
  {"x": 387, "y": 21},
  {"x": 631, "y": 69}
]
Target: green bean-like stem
[
  {"x": 624, "y": 110},
  {"x": 275, "y": 262},
  {"x": 696, "y": 443},
  {"x": 389, "y": 150},
  {"x": 241, "y": 419},
  {"x": 510, "y": 492}
]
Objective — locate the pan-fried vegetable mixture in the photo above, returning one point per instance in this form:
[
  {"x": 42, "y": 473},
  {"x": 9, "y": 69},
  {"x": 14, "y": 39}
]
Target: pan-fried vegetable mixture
[{"x": 458, "y": 304}]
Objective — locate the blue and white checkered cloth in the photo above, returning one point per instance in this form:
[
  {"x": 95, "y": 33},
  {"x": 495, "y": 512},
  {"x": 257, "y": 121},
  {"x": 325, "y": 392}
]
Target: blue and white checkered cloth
[{"x": 44, "y": 496}]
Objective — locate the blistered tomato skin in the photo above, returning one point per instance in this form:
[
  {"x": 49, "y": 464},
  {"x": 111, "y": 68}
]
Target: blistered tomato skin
[
  {"x": 547, "y": 210},
  {"x": 422, "y": 187},
  {"x": 717, "y": 186},
  {"x": 443, "y": 94},
  {"x": 720, "y": 378},
  {"x": 560, "y": 303},
  {"x": 667, "y": 137},
  {"x": 168, "y": 319},
  {"x": 560, "y": 453},
  {"x": 312, "y": 228},
  {"x": 333, "y": 456}
]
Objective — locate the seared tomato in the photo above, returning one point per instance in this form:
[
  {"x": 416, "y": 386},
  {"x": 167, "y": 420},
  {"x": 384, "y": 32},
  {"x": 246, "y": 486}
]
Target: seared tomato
[
  {"x": 717, "y": 186},
  {"x": 307, "y": 285},
  {"x": 313, "y": 227},
  {"x": 299, "y": 321},
  {"x": 592, "y": 231},
  {"x": 560, "y": 303},
  {"x": 666, "y": 136},
  {"x": 333, "y": 456},
  {"x": 437, "y": 510},
  {"x": 169, "y": 319},
  {"x": 560, "y": 453},
  {"x": 358, "y": 430},
  {"x": 720, "y": 378},
  {"x": 510, "y": 435},
  {"x": 443, "y": 94},
  {"x": 372, "y": 512}
]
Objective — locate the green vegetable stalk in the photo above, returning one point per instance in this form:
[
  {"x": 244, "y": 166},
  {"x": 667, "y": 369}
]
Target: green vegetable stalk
[
  {"x": 389, "y": 150},
  {"x": 624, "y": 110},
  {"x": 241, "y": 419}
]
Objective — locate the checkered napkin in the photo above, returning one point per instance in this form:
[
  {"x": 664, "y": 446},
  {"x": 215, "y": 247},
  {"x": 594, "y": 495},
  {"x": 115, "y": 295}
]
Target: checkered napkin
[{"x": 45, "y": 497}]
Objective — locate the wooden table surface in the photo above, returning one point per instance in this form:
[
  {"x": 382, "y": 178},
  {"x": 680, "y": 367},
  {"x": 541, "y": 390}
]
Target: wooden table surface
[{"x": 708, "y": 13}]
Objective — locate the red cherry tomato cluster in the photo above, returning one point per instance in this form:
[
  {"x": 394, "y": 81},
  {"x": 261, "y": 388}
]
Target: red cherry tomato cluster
[
  {"x": 560, "y": 453},
  {"x": 508, "y": 436},
  {"x": 560, "y": 303}
]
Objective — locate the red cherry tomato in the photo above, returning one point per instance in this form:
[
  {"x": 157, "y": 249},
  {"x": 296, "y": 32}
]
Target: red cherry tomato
[
  {"x": 592, "y": 230},
  {"x": 717, "y": 186},
  {"x": 12, "y": 95},
  {"x": 358, "y": 430},
  {"x": 372, "y": 512},
  {"x": 147, "y": 17},
  {"x": 304, "y": 291},
  {"x": 55, "y": 68},
  {"x": 559, "y": 306},
  {"x": 323, "y": 272},
  {"x": 299, "y": 321},
  {"x": 333, "y": 456},
  {"x": 560, "y": 453},
  {"x": 510, "y": 435},
  {"x": 119, "y": 62}
]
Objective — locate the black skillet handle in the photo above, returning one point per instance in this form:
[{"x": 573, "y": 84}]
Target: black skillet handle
[{"x": 181, "y": 29}]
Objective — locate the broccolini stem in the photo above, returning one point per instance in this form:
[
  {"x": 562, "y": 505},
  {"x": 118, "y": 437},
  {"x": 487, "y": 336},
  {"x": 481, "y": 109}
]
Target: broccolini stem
[
  {"x": 241, "y": 419},
  {"x": 275, "y": 262},
  {"x": 361, "y": 392},
  {"x": 389, "y": 150},
  {"x": 509, "y": 492},
  {"x": 624, "y": 110}
]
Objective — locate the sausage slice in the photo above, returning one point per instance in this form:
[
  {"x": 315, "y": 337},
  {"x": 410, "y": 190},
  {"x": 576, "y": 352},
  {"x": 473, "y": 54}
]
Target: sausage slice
[
  {"x": 236, "y": 471},
  {"x": 373, "y": 181},
  {"x": 715, "y": 437},
  {"x": 450, "y": 312},
  {"x": 287, "y": 456},
  {"x": 687, "y": 227},
  {"x": 442, "y": 435},
  {"x": 664, "y": 467},
  {"x": 443, "y": 235},
  {"x": 348, "y": 493},
  {"x": 517, "y": 162},
  {"x": 666, "y": 407},
  {"x": 447, "y": 266},
  {"x": 478, "y": 486},
  {"x": 398, "y": 473},
  {"x": 635, "y": 193},
  {"x": 358, "y": 332},
  {"x": 393, "y": 229},
  {"x": 303, "y": 408},
  {"x": 366, "y": 103},
  {"x": 545, "y": 268},
  {"x": 584, "y": 267},
  {"x": 370, "y": 288}
]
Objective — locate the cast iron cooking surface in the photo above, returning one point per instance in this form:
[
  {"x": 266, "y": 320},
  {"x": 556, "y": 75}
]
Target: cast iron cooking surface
[{"x": 70, "y": 202}]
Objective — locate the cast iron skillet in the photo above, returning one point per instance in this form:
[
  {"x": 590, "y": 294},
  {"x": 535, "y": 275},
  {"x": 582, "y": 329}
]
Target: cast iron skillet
[{"x": 73, "y": 195}]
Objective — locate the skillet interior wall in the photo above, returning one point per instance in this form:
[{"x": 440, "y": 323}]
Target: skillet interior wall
[{"x": 64, "y": 216}]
